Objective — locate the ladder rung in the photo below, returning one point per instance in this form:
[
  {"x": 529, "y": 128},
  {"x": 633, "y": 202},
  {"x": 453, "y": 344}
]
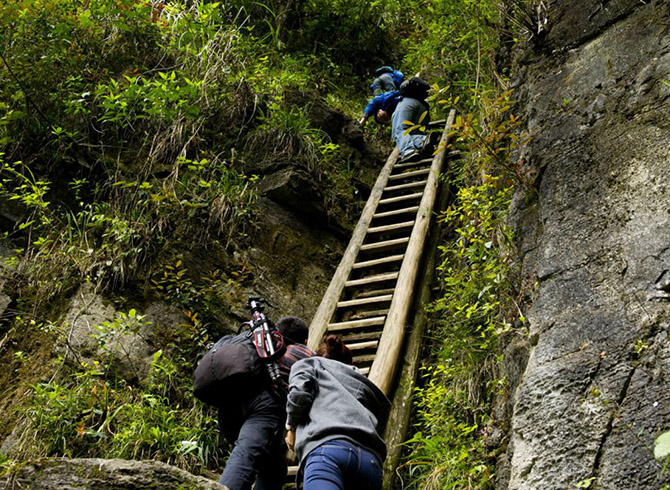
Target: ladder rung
[
  {"x": 365, "y": 301},
  {"x": 384, "y": 244},
  {"x": 361, "y": 315},
  {"x": 355, "y": 337},
  {"x": 407, "y": 197},
  {"x": 372, "y": 279},
  {"x": 412, "y": 209},
  {"x": 292, "y": 471},
  {"x": 384, "y": 260},
  {"x": 420, "y": 183},
  {"x": 439, "y": 122},
  {"x": 412, "y": 164},
  {"x": 368, "y": 322},
  {"x": 365, "y": 358},
  {"x": 369, "y": 344},
  {"x": 413, "y": 173},
  {"x": 397, "y": 226},
  {"x": 376, "y": 292},
  {"x": 364, "y": 370}
]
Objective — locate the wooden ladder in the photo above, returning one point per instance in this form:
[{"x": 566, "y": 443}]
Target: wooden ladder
[{"x": 369, "y": 297}]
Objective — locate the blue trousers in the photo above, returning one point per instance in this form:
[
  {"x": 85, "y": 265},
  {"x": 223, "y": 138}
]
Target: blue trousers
[
  {"x": 256, "y": 428},
  {"x": 383, "y": 83},
  {"x": 339, "y": 465},
  {"x": 408, "y": 110}
]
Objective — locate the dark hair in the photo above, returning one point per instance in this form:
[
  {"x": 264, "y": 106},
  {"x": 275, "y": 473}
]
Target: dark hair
[
  {"x": 332, "y": 347},
  {"x": 377, "y": 118},
  {"x": 294, "y": 330}
]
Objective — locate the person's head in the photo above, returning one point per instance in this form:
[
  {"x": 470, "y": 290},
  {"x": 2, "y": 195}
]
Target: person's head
[
  {"x": 294, "y": 330},
  {"x": 382, "y": 117},
  {"x": 383, "y": 69},
  {"x": 332, "y": 347}
]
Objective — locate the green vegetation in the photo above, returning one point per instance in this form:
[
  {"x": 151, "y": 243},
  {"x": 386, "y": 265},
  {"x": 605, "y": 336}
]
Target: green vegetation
[
  {"x": 128, "y": 131},
  {"x": 461, "y": 381}
]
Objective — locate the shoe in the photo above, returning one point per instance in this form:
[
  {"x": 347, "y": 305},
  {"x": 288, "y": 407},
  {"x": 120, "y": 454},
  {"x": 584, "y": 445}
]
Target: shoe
[
  {"x": 409, "y": 156},
  {"x": 430, "y": 142}
]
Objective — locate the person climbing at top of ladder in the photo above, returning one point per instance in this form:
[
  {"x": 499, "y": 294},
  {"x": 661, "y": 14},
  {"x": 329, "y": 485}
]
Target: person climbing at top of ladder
[
  {"x": 408, "y": 104},
  {"x": 387, "y": 80}
]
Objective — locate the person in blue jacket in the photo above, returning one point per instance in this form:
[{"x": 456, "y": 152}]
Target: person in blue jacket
[
  {"x": 387, "y": 80},
  {"x": 393, "y": 107}
]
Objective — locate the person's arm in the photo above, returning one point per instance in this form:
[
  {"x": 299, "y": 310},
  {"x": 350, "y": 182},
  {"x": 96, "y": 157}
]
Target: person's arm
[
  {"x": 301, "y": 392},
  {"x": 373, "y": 106}
]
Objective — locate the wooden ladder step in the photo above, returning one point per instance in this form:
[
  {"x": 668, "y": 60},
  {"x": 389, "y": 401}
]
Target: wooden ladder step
[
  {"x": 386, "y": 228},
  {"x": 365, "y": 358},
  {"x": 410, "y": 185},
  {"x": 365, "y": 301},
  {"x": 384, "y": 260},
  {"x": 357, "y": 336},
  {"x": 437, "y": 124},
  {"x": 407, "y": 197},
  {"x": 411, "y": 209},
  {"x": 368, "y": 344},
  {"x": 425, "y": 161},
  {"x": 376, "y": 292},
  {"x": 364, "y": 370},
  {"x": 384, "y": 244},
  {"x": 362, "y": 315},
  {"x": 413, "y": 173},
  {"x": 372, "y": 279},
  {"x": 368, "y": 322}
]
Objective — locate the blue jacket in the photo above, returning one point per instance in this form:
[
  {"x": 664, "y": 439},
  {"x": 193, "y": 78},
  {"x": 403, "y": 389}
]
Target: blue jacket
[{"x": 386, "y": 101}]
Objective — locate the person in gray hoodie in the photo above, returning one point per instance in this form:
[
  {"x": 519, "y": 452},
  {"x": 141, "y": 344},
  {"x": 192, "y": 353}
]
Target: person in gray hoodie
[{"x": 335, "y": 416}]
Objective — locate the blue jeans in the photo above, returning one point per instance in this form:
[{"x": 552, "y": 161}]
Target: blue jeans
[
  {"x": 339, "y": 464},
  {"x": 383, "y": 83},
  {"x": 256, "y": 428},
  {"x": 408, "y": 110}
]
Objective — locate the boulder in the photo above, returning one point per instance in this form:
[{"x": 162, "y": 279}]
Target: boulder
[
  {"x": 125, "y": 351},
  {"x": 102, "y": 474}
]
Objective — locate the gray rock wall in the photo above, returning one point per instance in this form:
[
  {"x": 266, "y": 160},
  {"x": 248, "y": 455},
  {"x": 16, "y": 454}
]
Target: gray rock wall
[{"x": 596, "y": 236}]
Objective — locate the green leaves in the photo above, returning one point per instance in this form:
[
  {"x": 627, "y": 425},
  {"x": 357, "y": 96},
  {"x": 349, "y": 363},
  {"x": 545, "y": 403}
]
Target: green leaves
[
  {"x": 455, "y": 399},
  {"x": 662, "y": 446}
]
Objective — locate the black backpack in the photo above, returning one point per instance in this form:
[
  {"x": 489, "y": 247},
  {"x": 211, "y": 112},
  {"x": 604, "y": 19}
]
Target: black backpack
[
  {"x": 414, "y": 88},
  {"x": 230, "y": 369}
]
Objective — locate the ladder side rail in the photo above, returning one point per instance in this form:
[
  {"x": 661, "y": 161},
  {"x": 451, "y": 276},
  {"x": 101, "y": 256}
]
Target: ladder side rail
[
  {"x": 384, "y": 366},
  {"x": 330, "y": 299}
]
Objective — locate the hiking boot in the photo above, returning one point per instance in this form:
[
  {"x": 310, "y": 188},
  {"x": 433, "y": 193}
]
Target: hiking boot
[
  {"x": 410, "y": 156},
  {"x": 430, "y": 142}
]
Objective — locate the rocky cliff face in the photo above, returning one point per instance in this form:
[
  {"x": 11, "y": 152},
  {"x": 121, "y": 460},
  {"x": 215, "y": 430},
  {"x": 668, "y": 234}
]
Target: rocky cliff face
[{"x": 594, "y": 235}]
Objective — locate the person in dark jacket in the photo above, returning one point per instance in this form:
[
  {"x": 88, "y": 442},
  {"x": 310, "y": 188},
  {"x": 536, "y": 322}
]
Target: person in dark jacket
[
  {"x": 334, "y": 418},
  {"x": 254, "y": 422},
  {"x": 387, "y": 79}
]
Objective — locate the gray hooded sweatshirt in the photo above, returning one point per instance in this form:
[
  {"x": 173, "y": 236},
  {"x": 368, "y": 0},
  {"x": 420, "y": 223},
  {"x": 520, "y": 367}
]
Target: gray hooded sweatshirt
[{"x": 330, "y": 400}]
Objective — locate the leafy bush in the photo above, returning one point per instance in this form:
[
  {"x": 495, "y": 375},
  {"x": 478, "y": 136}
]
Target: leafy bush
[{"x": 92, "y": 413}]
